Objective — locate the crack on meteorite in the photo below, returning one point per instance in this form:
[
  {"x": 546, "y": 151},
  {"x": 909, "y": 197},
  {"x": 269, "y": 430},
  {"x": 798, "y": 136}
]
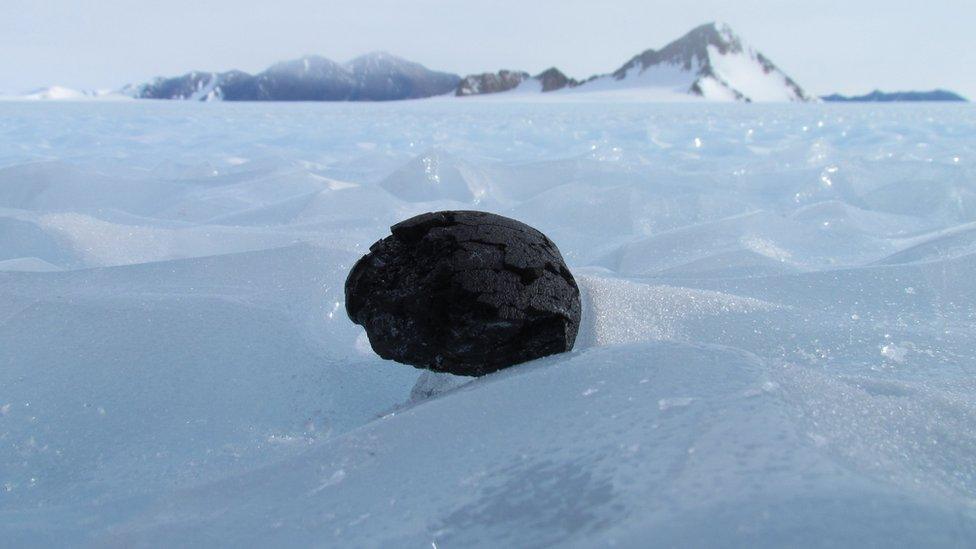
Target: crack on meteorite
[{"x": 527, "y": 275}]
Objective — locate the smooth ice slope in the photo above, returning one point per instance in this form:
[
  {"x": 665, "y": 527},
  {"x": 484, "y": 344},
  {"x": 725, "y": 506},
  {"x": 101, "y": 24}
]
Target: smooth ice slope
[{"x": 778, "y": 344}]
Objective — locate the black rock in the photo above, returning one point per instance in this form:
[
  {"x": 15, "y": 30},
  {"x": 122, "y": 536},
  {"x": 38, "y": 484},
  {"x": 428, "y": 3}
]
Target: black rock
[{"x": 464, "y": 292}]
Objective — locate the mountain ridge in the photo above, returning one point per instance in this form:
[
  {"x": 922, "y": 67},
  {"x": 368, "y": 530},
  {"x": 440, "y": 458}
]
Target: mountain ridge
[
  {"x": 898, "y": 96},
  {"x": 376, "y": 76},
  {"x": 709, "y": 62}
]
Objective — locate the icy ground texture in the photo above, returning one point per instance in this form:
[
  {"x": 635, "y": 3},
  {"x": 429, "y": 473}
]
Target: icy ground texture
[{"x": 778, "y": 345}]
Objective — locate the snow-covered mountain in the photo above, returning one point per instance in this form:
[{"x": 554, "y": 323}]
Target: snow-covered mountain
[
  {"x": 711, "y": 62},
  {"x": 376, "y": 76}
]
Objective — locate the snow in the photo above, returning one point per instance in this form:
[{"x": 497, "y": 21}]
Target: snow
[
  {"x": 582, "y": 94},
  {"x": 61, "y": 93},
  {"x": 672, "y": 78},
  {"x": 778, "y": 345},
  {"x": 748, "y": 76},
  {"x": 56, "y": 92},
  {"x": 529, "y": 85},
  {"x": 659, "y": 83},
  {"x": 207, "y": 91}
]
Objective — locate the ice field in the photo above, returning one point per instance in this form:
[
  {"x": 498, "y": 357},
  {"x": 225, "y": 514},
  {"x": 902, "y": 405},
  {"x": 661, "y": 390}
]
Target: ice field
[{"x": 778, "y": 344}]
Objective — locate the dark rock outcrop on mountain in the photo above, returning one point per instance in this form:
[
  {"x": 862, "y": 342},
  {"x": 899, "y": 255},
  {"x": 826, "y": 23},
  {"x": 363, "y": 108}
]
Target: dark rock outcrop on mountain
[
  {"x": 235, "y": 86},
  {"x": 885, "y": 97},
  {"x": 504, "y": 80},
  {"x": 464, "y": 292},
  {"x": 490, "y": 82},
  {"x": 553, "y": 79},
  {"x": 189, "y": 86},
  {"x": 373, "y": 77}
]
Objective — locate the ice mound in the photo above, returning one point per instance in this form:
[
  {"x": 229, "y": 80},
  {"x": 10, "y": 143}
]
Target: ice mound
[
  {"x": 943, "y": 244},
  {"x": 197, "y": 368},
  {"x": 705, "y": 448},
  {"x": 56, "y": 186},
  {"x": 437, "y": 175},
  {"x": 777, "y": 344},
  {"x": 35, "y": 264},
  {"x": 23, "y": 237}
]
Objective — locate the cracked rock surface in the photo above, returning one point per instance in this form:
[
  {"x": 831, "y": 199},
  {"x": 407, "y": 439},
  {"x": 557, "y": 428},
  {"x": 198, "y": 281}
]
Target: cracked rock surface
[{"x": 464, "y": 292}]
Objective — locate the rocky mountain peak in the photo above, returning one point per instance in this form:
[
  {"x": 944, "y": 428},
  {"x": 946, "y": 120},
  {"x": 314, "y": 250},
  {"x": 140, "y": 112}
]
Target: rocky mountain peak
[{"x": 690, "y": 52}]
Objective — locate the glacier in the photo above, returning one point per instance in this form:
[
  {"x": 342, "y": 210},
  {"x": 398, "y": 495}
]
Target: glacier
[{"x": 778, "y": 344}]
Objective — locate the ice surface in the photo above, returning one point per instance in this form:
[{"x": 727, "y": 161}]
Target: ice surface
[{"x": 778, "y": 343}]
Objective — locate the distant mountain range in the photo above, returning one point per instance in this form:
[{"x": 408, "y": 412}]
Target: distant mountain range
[
  {"x": 372, "y": 77},
  {"x": 885, "y": 97},
  {"x": 710, "y": 62}
]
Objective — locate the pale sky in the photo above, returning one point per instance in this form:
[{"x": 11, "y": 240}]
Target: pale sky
[{"x": 826, "y": 45}]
